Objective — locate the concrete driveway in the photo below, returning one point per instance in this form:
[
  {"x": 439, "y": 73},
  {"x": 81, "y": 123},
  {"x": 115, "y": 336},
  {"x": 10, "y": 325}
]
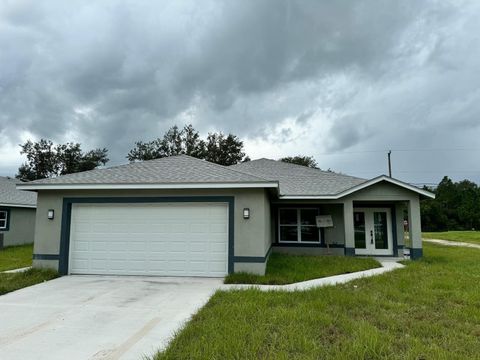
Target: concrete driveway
[{"x": 98, "y": 317}]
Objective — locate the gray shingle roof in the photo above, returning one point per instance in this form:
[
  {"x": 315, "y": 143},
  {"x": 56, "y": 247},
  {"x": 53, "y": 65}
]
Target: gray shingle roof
[
  {"x": 175, "y": 169},
  {"x": 299, "y": 180},
  {"x": 9, "y": 195}
]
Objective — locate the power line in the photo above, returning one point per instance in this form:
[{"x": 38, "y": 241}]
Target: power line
[
  {"x": 426, "y": 171},
  {"x": 397, "y": 150}
]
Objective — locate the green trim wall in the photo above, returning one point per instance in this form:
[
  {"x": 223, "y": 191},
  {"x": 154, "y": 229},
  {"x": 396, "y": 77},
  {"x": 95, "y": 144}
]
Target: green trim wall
[
  {"x": 67, "y": 213},
  {"x": 253, "y": 259},
  {"x": 45, "y": 257},
  {"x": 416, "y": 253}
]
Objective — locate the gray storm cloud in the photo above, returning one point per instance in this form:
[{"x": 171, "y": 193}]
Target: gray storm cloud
[{"x": 361, "y": 75}]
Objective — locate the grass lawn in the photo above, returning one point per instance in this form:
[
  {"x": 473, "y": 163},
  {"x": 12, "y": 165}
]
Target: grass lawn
[
  {"x": 465, "y": 236},
  {"x": 428, "y": 310},
  {"x": 14, "y": 257},
  {"x": 287, "y": 269},
  {"x": 15, "y": 281}
]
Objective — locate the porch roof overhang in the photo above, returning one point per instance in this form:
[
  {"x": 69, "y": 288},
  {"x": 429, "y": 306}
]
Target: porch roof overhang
[{"x": 366, "y": 184}]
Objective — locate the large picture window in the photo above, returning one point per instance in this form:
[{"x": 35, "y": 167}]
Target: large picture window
[
  {"x": 298, "y": 225},
  {"x": 3, "y": 220}
]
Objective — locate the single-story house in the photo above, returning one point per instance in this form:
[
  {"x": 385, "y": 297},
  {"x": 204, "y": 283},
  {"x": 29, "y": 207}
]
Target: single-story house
[
  {"x": 17, "y": 214},
  {"x": 181, "y": 216}
]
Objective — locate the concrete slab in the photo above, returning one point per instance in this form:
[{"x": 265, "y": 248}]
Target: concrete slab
[{"x": 98, "y": 317}]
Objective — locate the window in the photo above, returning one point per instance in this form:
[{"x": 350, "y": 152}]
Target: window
[
  {"x": 298, "y": 225},
  {"x": 359, "y": 227},
  {"x": 3, "y": 219}
]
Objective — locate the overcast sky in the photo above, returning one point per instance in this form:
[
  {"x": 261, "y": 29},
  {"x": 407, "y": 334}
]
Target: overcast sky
[{"x": 342, "y": 81}]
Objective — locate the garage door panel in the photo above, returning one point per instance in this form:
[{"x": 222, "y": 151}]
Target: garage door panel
[
  {"x": 79, "y": 263},
  {"x": 96, "y": 256},
  {"x": 216, "y": 247},
  {"x": 158, "y": 265},
  {"x": 199, "y": 228},
  {"x": 96, "y": 246},
  {"x": 199, "y": 256},
  {"x": 178, "y": 246},
  {"x": 198, "y": 266},
  {"x": 160, "y": 228},
  {"x": 215, "y": 265},
  {"x": 115, "y": 246},
  {"x": 138, "y": 246},
  {"x": 98, "y": 265},
  {"x": 197, "y": 247},
  {"x": 81, "y": 246},
  {"x": 182, "y": 239},
  {"x": 219, "y": 228}
]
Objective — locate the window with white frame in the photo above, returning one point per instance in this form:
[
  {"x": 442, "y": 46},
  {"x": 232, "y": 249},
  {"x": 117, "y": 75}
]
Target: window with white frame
[
  {"x": 298, "y": 225},
  {"x": 3, "y": 219}
]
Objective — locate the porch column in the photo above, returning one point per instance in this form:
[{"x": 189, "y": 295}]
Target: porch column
[
  {"x": 349, "y": 228},
  {"x": 399, "y": 207},
  {"x": 415, "y": 229}
]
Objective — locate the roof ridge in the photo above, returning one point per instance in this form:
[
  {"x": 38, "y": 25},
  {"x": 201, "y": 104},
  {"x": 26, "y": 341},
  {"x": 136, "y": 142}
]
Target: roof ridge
[
  {"x": 130, "y": 163},
  {"x": 279, "y": 161},
  {"x": 234, "y": 170},
  {"x": 180, "y": 168}
]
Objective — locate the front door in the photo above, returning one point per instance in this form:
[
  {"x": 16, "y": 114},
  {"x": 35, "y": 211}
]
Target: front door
[{"x": 373, "y": 231}]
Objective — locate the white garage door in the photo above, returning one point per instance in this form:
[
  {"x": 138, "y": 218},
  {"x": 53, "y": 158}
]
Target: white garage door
[{"x": 165, "y": 239}]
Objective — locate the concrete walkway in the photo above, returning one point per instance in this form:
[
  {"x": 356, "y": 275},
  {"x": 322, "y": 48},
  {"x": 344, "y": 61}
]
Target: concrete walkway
[
  {"x": 452, "y": 243},
  {"x": 16, "y": 270},
  {"x": 387, "y": 265}
]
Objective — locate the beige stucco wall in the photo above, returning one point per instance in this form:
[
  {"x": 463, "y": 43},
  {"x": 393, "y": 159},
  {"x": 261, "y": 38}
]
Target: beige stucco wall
[
  {"x": 251, "y": 237},
  {"x": 22, "y": 227},
  {"x": 336, "y": 234},
  {"x": 382, "y": 192}
]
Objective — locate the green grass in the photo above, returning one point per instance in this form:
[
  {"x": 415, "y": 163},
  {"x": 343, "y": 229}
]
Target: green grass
[
  {"x": 15, "y": 281},
  {"x": 287, "y": 269},
  {"x": 15, "y": 257},
  {"x": 465, "y": 236},
  {"x": 428, "y": 310}
]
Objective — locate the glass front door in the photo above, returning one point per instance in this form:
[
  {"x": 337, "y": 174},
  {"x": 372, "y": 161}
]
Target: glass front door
[{"x": 373, "y": 231}]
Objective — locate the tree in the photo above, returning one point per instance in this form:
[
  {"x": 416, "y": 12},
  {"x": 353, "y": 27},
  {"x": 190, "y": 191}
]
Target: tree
[
  {"x": 145, "y": 151},
  {"x": 193, "y": 145},
  {"x": 41, "y": 160},
  {"x": 218, "y": 148},
  {"x": 45, "y": 160},
  {"x": 456, "y": 207},
  {"x": 173, "y": 142},
  {"x": 92, "y": 159},
  {"x": 224, "y": 150},
  {"x": 303, "y": 160}
]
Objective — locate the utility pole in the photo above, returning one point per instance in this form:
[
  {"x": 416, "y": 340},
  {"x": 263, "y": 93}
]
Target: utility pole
[{"x": 389, "y": 163}]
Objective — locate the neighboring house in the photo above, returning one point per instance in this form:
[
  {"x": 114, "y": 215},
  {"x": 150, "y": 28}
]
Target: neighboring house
[
  {"x": 181, "y": 216},
  {"x": 17, "y": 214}
]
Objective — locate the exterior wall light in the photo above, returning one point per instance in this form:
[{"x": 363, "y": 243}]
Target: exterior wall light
[
  {"x": 51, "y": 214},
  {"x": 246, "y": 213}
]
